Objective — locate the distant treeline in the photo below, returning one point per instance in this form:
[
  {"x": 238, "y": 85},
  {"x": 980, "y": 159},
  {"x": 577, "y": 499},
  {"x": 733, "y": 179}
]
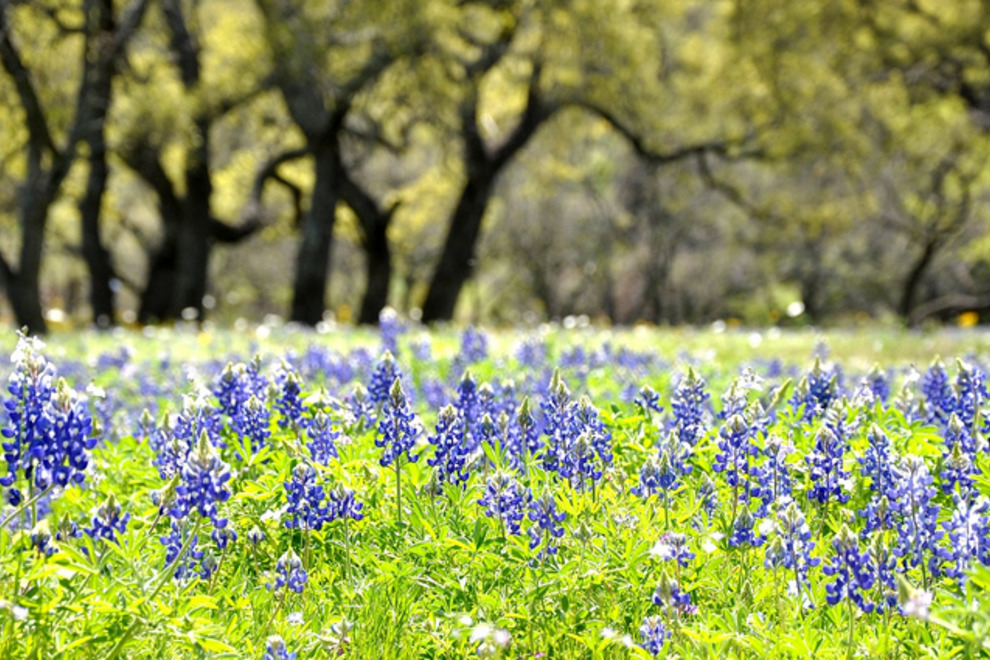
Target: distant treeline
[{"x": 670, "y": 161}]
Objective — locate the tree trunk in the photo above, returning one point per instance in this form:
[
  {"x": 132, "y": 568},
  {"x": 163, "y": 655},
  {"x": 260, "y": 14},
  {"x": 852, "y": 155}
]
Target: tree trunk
[
  {"x": 24, "y": 285},
  {"x": 457, "y": 259},
  {"x": 313, "y": 261},
  {"x": 379, "y": 274},
  {"x": 96, "y": 106},
  {"x": 194, "y": 240},
  {"x": 910, "y": 290}
]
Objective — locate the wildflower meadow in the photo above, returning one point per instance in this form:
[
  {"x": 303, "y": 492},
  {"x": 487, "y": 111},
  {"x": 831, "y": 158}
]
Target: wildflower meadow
[{"x": 551, "y": 493}]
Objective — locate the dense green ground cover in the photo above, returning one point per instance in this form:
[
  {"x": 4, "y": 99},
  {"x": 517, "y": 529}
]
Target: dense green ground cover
[{"x": 653, "y": 526}]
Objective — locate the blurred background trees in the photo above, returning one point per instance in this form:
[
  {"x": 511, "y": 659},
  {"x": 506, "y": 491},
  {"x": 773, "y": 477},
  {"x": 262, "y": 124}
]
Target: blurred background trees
[{"x": 500, "y": 161}]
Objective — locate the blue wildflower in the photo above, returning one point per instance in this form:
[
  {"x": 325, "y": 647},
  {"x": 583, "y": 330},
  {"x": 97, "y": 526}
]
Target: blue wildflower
[
  {"x": 654, "y": 635},
  {"x": 543, "y": 512},
  {"x": 504, "y": 499},
  {"x": 851, "y": 569},
  {"x": 289, "y": 573},
  {"x": 275, "y": 649},
  {"x": 108, "y": 520},
  {"x": 397, "y": 428}
]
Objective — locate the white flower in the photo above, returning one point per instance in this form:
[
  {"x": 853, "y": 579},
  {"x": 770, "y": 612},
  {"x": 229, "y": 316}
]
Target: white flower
[{"x": 296, "y": 618}]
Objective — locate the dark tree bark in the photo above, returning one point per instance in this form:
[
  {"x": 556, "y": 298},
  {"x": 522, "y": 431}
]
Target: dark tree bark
[
  {"x": 105, "y": 42},
  {"x": 482, "y": 166},
  {"x": 47, "y": 167},
  {"x": 909, "y": 291},
  {"x": 313, "y": 260},
  {"x": 374, "y": 223}
]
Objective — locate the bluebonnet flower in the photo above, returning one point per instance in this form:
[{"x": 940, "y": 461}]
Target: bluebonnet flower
[
  {"x": 474, "y": 346},
  {"x": 884, "y": 564},
  {"x": 669, "y": 596},
  {"x": 41, "y": 539},
  {"x": 543, "y": 512},
  {"x": 360, "y": 408},
  {"x": 851, "y": 569},
  {"x": 878, "y": 461},
  {"x": 288, "y": 401},
  {"x": 958, "y": 470},
  {"x": 182, "y": 552},
  {"x": 826, "y": 470},
  {"x": 255, "y": 535},
  {"x": 47, "y": 435},
  {"x": 343, "y": 505},
  {"x": 917, "y": 529},
  {"x": 648, "y": 400},
  {"x": 450, "y": 452},
  {"x": 64, "y": 458},
  {"x": 322, "y": 438},
  {"x": 735, "y": 458},
  {"x": 663, "y": 470},
  {"x": 970, "y": 392},
  {"x": 304, "y": 494},
  {"x": 232, "y": 388},
  {"x": 688, "y": 406},
  {"x": 275, "y": 649},
  {"x": 735, "y": 400},
  {"x": 815, "y": 391},
  {"x": 879, "y": 384},
  {"x": 531, "y": 352},
  {"x": 197, "y": 416},
  {"x": 397, "y": 428},
  {"x": 203, "y": 484},
  {"x": 529, "y": 427},
  {"x": 108, "y": 520},
  {"x": 289, "y": 573},
  {"x": 67, "y": 529},
  {"x": 791, "y": 547},
  {"x": 877, "y": 464},
  {"x": 654, "y": 635},
  {"x": 707, "y": 497},
  {"x": 467, "y": 405},
  {"x": 776, "y": 483},
  {"x": 673, "y": 546},
  {"x": 390, "y": 327},
  {"x": 937, "y": 390},
  {"x": 743, "y": 530},
  {"x": 969, "y": 538},
  {"x": 385, "y": 374},
  {"x": 504, "y": 499},
  {"x": 252, "y": 424}
]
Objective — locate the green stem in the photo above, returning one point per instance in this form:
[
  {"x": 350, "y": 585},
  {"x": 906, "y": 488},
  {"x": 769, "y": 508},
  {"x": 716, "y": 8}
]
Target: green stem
[
  {"x": 24, "y": 505},
  {"x": 398, "y": 494},
  {"x": 166, "y": 577}
]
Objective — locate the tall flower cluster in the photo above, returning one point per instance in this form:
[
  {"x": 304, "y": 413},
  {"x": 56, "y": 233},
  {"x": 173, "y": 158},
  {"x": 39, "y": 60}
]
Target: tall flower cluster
[
  {"x": 385, "y": 374},
  {"x": 504, "y": 499},
  {"x": 201, "y": 488},
  {"x": 688, "y": 406},
  {"x": 851, "y": 570},
  {"x": 969, "y": 538},
  {"x": 547, "y": 524},
  {"x": 917, "y": 529},
  {"x": 815, "y": 391},
  {"x": 791, "y": 547},
  {"x": 397, "y": 428},
  {"x": 825, "y": 467},
  {"x": 450, "y": 451},
  {"x": 49, "y": 430},
  {"x": 578, "y": 444}
]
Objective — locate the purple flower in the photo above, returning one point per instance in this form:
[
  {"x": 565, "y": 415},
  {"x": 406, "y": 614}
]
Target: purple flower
[
  {"x": 108, "y": 520},
  {"x": 397, "y": 428},
  {"x": 654, "y": 635}
]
